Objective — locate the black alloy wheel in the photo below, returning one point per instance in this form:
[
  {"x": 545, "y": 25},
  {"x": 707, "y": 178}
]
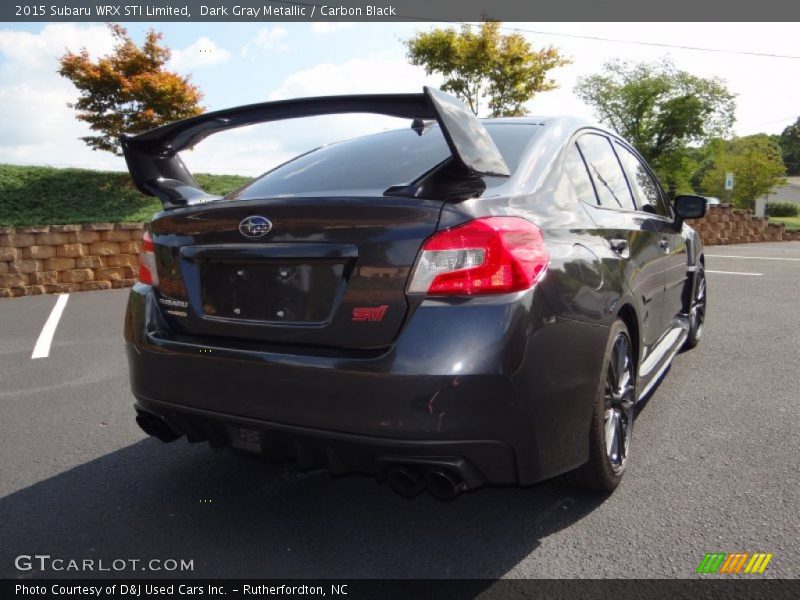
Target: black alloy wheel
[
  {"x": 697, "y": 312},
  {"x": 612, "y": 420}
]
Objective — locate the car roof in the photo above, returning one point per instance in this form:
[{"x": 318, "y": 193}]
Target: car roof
[{"x": 566, "y": 121}]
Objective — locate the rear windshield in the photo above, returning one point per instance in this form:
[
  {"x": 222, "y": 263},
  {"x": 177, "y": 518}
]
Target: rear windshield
[{"x": 376, "y": 162}]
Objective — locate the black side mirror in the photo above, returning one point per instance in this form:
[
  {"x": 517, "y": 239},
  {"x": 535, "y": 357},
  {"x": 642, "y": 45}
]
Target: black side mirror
[{"x": 690, "y": 207}]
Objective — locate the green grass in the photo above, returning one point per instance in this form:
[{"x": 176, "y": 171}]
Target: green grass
[
  {"x": 792, "y": 223},
  {"x": 49, "y": 196}
]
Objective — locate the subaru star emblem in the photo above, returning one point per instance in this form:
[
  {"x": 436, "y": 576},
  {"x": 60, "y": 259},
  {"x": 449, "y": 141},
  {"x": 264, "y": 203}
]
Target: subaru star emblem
[{"x": 255, "y": 226}]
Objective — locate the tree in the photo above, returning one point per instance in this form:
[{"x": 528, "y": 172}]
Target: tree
[
  {"x": 486, "y": 68},
  {"x": 128, "y": 91},
  {"x": 757, "y": 168},
  {"x": 702, "y": 160},
  {"x": 790, "y": 147},
  {"x": 660, "y": 110}
]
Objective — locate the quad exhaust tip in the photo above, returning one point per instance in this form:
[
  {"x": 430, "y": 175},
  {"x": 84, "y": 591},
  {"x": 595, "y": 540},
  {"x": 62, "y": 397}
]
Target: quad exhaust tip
[
  {"x": 405, "y": 481},
  {"x": 156, "y": 427},
  {"x": 443, "y": 484},
  {"x": 440, "y": 483}
]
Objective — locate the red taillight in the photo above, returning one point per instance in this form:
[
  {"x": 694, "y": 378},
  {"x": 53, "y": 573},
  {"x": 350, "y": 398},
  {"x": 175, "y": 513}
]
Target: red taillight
[
  {"x": 147, "y": 261},
  {"x": 485, "y": 256}
]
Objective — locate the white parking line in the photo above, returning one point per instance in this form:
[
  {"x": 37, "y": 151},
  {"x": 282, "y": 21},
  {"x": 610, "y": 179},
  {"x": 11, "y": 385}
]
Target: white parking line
[
  {"x": 42, "y": 347},
  {"x": 733, "y": 273},
  {"x": 751, "y": 257}
]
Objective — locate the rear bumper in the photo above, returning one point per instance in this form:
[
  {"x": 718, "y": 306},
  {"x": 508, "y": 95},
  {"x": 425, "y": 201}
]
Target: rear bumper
[
  {"x": 476, "y": 461},
  {"x": 498, "y": 383}
]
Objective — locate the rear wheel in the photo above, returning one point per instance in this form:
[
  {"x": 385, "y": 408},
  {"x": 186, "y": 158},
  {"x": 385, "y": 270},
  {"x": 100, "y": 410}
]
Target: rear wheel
[
  {"x": 612, "y": 421},
  {"x": 697, "y": 312}
]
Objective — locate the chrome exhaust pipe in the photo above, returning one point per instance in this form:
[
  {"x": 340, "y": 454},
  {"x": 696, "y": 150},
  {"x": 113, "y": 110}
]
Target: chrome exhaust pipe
[
  {"x": 406, "y": 482},
  {"x": 156, "y": 427},
  {"x": 443, "y": 484}
]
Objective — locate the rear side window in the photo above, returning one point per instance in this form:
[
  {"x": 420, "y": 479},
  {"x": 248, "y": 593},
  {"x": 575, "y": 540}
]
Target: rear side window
[
  {"x": 609, "y": 180},
  {"x": 644, "y": 186},
  {"x": 372, "y": 164},
  {"x": 578, "y": 174}
]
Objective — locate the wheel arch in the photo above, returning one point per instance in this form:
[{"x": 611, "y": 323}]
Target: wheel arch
[
  {"x": 628, "y": 315},
  {"x": 691, "y": 282}
]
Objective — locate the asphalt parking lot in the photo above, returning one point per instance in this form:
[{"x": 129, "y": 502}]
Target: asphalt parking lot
[{"x": 715, "y": 466}]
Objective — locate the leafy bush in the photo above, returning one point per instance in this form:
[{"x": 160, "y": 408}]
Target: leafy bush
[
  {"x": 783, "y": 209},
  {"x": 49, "y": 196}
]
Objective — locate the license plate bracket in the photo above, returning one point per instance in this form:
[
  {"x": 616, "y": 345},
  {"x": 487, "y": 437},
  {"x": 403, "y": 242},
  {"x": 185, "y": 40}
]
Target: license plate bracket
[{"x": 281, "y": 291}]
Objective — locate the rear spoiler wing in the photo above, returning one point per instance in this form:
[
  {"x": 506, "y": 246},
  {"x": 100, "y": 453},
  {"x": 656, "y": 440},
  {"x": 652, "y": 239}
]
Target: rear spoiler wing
[{"x": 157, "y": 170}]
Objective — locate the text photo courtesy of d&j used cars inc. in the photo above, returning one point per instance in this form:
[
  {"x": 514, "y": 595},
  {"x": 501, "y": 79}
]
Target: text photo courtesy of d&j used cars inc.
[{"x": 399, "y": 300}]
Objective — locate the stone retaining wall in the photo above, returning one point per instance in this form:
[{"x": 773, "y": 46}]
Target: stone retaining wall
[
  {"x": 68, "y": 258},
  {"x": 724, "y": 224}
]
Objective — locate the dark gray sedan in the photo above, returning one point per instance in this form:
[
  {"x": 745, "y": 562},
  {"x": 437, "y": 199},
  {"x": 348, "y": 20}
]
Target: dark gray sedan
[{"x": 455, "y": 303}]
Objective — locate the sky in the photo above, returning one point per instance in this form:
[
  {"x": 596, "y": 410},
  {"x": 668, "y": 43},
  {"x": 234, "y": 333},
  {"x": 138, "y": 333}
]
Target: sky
[{"x": 242, "y": 63}]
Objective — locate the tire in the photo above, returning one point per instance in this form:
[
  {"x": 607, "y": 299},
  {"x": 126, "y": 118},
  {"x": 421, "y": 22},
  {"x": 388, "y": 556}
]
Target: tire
[
  {"x": 697, "y": 310},
  {"x": 613, "y": 416}
]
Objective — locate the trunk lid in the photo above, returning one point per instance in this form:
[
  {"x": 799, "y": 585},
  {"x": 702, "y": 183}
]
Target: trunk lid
[{"x": 331, "y": 271}]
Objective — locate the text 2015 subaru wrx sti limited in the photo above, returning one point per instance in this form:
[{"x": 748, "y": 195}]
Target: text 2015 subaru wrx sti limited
[{"x": 454, "y": 303}]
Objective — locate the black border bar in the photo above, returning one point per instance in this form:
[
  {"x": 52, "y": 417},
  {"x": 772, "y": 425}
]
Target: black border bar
[
  {"x": 399, "y": 10},
  {"x": 749, "y": 587}
]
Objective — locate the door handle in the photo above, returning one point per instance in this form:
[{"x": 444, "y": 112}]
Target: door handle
[
  {"x": 618, "y": 245},
  {"x": 664, "y": 245}
]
